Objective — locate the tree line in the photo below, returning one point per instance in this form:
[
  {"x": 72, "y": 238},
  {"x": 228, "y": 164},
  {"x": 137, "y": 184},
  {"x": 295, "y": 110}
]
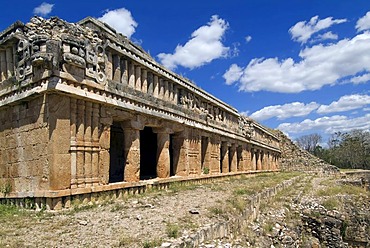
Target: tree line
[{"x": 344, "y": 150}]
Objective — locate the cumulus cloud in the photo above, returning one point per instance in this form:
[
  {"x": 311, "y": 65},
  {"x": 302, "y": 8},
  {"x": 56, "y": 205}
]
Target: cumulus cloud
[
  {"x": 233, "y": 74},
  {"x": 319, "y": 65},
  {"x": 294, "y": 109},
  {"x": 345, "y": 103},
  {"x": 361, "y": 79},
  {"x": 328, "y": 125},
  {"x": 302, "y": 31},
  {"x": 363, "y": 23},
  {"x": 43, "y": 9},
  {"x": 204, "y": 46},
  {"x": 248, "y": 38},
  {"x": 327, "y": 36},
  {"x": 121, "y": 20}
]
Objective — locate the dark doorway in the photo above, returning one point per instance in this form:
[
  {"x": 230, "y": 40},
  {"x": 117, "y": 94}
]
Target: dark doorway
[
  {"x": 231, "y": 155},
  {"x": 116, "y": 152},
  {"x": 239, "y": 157},
  {"x": 221, "y": 158},
  {"x": 148, "y": 154},
  {"x": 172, "y": 152},
  {"x": 204, "y": 146}
]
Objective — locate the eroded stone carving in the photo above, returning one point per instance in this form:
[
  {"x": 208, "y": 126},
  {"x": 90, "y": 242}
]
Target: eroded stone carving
[{"x": 246, "y": 127}]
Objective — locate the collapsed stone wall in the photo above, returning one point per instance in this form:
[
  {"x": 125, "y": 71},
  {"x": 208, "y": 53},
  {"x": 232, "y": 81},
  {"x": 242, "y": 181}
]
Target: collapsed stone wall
[{"x": 293, "y": 158}]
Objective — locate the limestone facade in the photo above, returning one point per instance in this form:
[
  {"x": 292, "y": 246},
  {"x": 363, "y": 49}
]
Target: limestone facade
[{"x": 81, "y": 106}]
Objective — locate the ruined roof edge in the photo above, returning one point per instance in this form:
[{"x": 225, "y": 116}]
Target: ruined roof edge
[{"x": 124, "y": 38}]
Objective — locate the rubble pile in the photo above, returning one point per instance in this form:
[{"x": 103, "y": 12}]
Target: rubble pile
[{"x": 293, "y": 158}]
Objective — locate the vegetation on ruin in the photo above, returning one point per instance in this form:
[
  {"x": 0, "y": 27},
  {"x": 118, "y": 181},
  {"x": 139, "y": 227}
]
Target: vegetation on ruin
[
  {"x": 5, "y": 188},
  {"x": 344, "y": 149}
]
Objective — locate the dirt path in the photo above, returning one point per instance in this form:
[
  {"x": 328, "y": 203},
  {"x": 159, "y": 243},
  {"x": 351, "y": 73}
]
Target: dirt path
[{"x": 139, "y": 221}]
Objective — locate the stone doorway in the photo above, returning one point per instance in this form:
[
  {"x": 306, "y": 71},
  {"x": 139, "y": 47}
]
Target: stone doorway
[
  {"x": 116, "y": 152},
  {"x": 231, "y": 155},
  {"x": 148, "y": 154},
  {"x": 171, "y": 148}
]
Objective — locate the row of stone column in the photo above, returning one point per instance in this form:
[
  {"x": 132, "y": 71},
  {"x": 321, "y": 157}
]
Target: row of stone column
[
  {"x": 264, "y": 160},
  {"x": 191, "y": 157},
  {"x": 85, "y": 147},
  {"x": 6, "y": 63},
  {"x": 123, "y": 70}
]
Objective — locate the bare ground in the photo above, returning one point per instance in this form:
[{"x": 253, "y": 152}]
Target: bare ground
[{"x": 155, "y": 217}]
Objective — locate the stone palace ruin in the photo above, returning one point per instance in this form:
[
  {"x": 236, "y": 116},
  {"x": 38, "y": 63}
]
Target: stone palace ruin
[{"x": 84, "y": 110}]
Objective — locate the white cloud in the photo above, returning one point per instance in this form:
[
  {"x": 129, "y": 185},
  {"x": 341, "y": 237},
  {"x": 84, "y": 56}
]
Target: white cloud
[
  {"x": 327, "y": 124},
  {"x": 363, "y": 23},
  {"x": 248, "y": 38},
  {"x": 205, "y": 45},
  {"x": 233, "y": 74},
  {"x": 361, "y": 79},
  {"x": 121, "y": 20},
  {"x": 345, "y": 103},
  {"x": 285, "y": 111},
  {"x": 327, "y": 36},
  {"x": 43, "y": 9},
  {"x": 302, "y": 31},
  {"x": 320, "y": 65}
]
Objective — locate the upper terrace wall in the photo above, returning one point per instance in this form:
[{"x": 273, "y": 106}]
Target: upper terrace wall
[{"x": 101, "y": 62}]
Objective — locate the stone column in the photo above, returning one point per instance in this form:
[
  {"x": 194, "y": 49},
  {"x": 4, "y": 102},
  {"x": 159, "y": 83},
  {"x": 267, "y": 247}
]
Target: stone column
[
  {"x": 9, "y": 60},
  {"x": 215, "y": 155},
  {"x": 116, "y": 68},
  {"x": 95, "y": 144},
  {"x": 131, "y": 74},
  {"x": 247, "y": 158},
  {"x": 161, "y": 89},
  {"x": 73, "y": 112},
  {"x": 264, "y": 161},
  {"x": 259, "y": 159},
  {"x": 124, "y": 71},
  {"x": 194, "y": 151},
  {"x": 278, "y": 161},
  {"x": 233, "y": 158},
  {"x": 224, "y": 157},
  {"x": 155, "y": 86},
  {"x": 138, "y": 77},
  {"x": 104, "y": 157},
  {"x": 144, "y": 77},
  {"x": 166, "y": 96},
  {"x": 170, "y": 91},
  {"x": 131, "y": 152},
  {"x": 150, "y": 83},
  {"x": 253, "y": 159},
  {"x": 179, "y": 153},
  {"x": 163, "y": 152},
  {"x": 175, "y": 94},
  {"x": 80, "y": 143},
  {"x": 3, "y": 71},
  {"x": 88, "y": 145},
  {"x": 109, "y": 65}
]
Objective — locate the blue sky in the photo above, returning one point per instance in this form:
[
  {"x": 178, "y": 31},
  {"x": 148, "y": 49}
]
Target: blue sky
[{"x": 300, "y": 66}]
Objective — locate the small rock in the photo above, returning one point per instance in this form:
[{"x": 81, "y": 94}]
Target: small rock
[
  {"x": 83, "y": 222},
  {"x": 148, "y": 206},
  {"x": 138, "y": 217},
  {"x": 166, "y": 244},
  {"x": 194, "y": 211}
]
